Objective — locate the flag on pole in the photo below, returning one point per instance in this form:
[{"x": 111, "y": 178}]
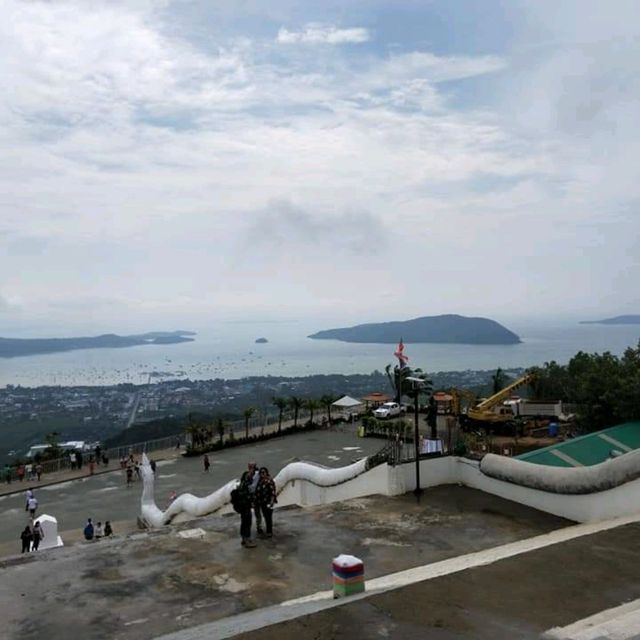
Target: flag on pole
[{"x": 399, "y": 353}]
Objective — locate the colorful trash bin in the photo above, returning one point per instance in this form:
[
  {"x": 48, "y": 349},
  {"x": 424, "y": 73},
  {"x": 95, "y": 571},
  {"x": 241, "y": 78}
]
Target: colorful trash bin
[{"x": 348, "y": 576}]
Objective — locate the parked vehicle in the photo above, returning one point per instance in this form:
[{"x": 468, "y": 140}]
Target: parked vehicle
[{"x": 388, "y": 410}]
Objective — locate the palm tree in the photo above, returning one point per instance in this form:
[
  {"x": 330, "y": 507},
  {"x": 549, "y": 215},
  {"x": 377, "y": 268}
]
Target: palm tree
[
  {"x": 498, "y": 380},
  {"x": 296, "y": 404},
  {"x": 247, "y": 413},
  {"x": 311, "y": 405},
  {"x": 326, "y": 401},
  {"x": 281, "y": 403},
  {"x": 193, "y": 430},
  {"x": 398, "y": 381},
  {"x": 220, "y": 428}
]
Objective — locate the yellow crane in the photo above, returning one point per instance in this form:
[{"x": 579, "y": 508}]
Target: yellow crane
[{"x": 492, "y": 410}]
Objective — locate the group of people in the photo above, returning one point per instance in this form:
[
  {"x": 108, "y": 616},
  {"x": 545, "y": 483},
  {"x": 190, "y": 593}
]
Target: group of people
[
  {"x": 32, "y": 534},
  {"x": 30, "y": 472},
  {"x": 256, "y": 496},
  {"x": 131, "y": 466},
  {"x": 96, "y": 532}
]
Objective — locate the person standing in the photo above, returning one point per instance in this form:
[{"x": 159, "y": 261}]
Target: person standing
[
  {"x": 88, "y": 530},
  {"x": 72, "y": 459},
  {"x": 152, "y": 464},
  {"x": 129, "y": 475},
  {"x": 244, "y": 507},
  {"x": 254, "y": 477},
  {"x": 92, "y": 466},
  {"x": 7, "y": 473},
  {"x": 26, "y": 538},
  {"x": 32, "y": 504},
  {"x": 20, "y": 472},
  {"x": 39, "y": 471},
  {"x": 266, "y": 498},
  {"x": 38, "y": 536},
  {"x": 206, "y": 463}
]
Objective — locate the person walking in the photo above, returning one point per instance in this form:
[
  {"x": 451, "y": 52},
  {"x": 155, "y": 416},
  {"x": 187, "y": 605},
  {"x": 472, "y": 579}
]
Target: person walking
[
  {"x": 72, "y": 459},
  {"x": 7, "y": 473},
  {"x": 92, "y": 466},
  {"x": 38, "y": 536},
  {"x": 129, "y": 476},
  {"x": 206, "y": 463},
  {"x": 20, "y": 471},
  {"x": 243, "y": 505},
  {"x": 26, "y": 538},
  {"x": 266, "y": 498},
  {"x": 39, "y": 471},
  {"x": 32, "y": 505},
  {"x": 108, "y": 531},
  {"x": 28, "y": 495},
  {"x": 88, "y": 530}
]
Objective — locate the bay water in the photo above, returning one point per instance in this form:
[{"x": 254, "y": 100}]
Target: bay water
[{"x": 228, "y": 350}]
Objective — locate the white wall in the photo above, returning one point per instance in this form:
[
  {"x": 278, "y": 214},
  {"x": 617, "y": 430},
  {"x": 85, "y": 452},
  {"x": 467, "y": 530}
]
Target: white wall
[
  {"x": 386, "y": 480},
  {"x": 305, "y": 493}
]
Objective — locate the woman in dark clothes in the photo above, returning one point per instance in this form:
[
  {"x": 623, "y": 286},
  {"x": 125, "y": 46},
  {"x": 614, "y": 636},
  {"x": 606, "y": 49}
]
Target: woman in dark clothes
[
  {"x": 26, "y": 538},
  {"x": 266, "y": 498}
]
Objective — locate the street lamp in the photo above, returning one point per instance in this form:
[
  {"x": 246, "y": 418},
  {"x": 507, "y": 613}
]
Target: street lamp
[{"x": 418, "y": 384}]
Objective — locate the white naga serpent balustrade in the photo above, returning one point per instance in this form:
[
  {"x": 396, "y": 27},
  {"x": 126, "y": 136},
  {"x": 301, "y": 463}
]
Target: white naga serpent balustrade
[{"x": 194, "y": 507}]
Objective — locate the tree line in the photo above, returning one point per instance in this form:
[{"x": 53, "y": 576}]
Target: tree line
[{"x": 605, "y": 387}]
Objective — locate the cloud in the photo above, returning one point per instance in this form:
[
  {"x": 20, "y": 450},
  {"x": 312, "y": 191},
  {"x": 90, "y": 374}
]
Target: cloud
[
  {"x": 146, "y": 158},
  {"x": 316, "y": 33},
  {"x": 282, "y": 225}
]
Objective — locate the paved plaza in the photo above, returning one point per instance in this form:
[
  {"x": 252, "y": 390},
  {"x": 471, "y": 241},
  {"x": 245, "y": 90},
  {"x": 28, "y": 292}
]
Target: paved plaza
[
  {"x": 106, "y": 497},
  {"x": 154, "y": 583}
]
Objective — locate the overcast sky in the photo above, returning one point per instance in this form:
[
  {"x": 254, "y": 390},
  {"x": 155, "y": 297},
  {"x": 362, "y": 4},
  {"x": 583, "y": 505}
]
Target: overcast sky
[{"x": 166, "y": 163}]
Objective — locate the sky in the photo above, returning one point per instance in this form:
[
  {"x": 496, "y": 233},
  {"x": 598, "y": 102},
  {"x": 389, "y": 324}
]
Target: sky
[{"x": 169, "y": 163}]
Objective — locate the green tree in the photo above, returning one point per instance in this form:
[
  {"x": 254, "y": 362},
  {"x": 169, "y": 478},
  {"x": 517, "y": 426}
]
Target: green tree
[
  {"x": 498, "y": 381},
  {"x": 296, "y": 404},
  {"x": 282, "y": 404},
  {"x": 247, "y": 413},
  {"x": 311, "y": 405},
  {"x": 326, "y": 401},
  {"x": 220, "y": 429}
]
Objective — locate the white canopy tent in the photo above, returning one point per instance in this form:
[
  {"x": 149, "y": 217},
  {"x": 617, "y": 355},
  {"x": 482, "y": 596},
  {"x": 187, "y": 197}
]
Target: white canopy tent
[{"x": 347, "y": 403}]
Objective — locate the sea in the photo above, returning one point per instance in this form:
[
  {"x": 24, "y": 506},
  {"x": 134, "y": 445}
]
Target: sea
[{"x": 228, "y": 350}]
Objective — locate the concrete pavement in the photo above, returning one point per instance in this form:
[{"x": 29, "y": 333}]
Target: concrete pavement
[{"x": 154, "y": 583}]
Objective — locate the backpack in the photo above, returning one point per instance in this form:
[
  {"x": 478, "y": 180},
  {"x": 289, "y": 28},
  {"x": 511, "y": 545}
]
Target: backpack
[{"x": 236, "y": 500}]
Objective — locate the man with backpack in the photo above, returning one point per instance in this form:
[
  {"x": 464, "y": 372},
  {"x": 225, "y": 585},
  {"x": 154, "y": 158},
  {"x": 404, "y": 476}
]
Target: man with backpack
[{"x": 242, "y": 500}]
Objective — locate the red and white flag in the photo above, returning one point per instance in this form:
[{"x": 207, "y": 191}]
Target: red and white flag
[{"x": 399, "y": 353}]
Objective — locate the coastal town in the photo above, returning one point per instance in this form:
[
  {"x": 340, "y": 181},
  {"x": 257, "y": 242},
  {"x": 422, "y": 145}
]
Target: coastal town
[{"x": 96, "y": 413}]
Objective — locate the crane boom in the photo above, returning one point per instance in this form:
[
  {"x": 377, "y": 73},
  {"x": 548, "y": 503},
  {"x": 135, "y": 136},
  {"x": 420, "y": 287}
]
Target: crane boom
[{"x": 484, "y": 410}]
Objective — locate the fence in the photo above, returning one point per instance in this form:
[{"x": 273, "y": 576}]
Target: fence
[{"x": 260, "y": 422}]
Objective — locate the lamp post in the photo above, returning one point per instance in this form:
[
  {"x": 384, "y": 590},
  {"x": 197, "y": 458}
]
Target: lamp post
[{"x": 418, "y": 385}]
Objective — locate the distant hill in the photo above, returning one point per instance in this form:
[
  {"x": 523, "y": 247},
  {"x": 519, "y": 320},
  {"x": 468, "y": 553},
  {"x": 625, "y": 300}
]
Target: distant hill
[
  {"x": 15, "y": 347},
  {"x": 617, "y": 320},
  {"x": 439, "y": 329}
]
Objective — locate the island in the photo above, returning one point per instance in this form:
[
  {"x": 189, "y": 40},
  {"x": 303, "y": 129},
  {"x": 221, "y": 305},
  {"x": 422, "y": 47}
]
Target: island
[
  {"x": 261, "y": 341},
  {"x": 16, "y": 347},
  {"x": 631, "y": 319},
  {"x": 450, "y": 328}
]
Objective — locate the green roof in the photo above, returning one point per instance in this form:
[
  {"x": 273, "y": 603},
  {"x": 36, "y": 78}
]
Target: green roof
[{"x": 588, "y": 450}]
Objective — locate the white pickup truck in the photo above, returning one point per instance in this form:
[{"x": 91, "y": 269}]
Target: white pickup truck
[{"x": 388, "y": 410}]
